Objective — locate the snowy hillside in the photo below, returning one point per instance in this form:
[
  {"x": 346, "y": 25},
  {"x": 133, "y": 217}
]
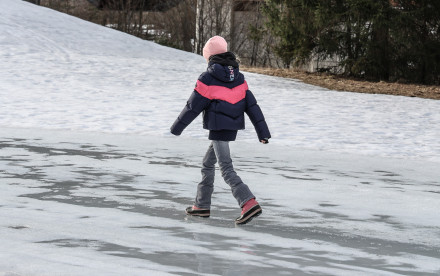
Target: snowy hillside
[
  {"x": 59, "y": 72},
  {"x": 93, "y": 183}
]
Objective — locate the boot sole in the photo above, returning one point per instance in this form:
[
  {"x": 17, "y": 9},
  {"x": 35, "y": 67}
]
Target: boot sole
[
  {"x": 199, "y": 215},
  {"x": 252, "y": 213}
]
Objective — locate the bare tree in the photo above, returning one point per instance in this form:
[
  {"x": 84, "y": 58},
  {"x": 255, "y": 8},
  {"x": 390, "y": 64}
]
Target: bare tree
[
  {"x": 256, "y": 40},
  {"x": 242, "y": 25},
  {"x": 125, "y": 15},
  {"x": 79, "y": 8},
  {"x": 62, "y": 6},
  {"x": 36, "y": 2},
  {"x": 214, "y": 17},
  {"x": 176, "y": 26}
]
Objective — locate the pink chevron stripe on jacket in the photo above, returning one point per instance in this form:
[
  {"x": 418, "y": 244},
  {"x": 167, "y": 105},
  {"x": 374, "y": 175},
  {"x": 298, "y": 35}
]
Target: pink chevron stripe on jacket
[{"x": 215, "y": 92}]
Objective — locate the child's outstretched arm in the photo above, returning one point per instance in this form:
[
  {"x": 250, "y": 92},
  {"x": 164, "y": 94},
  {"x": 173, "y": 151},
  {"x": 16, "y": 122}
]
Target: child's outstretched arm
[
  {"x": 257, "y": 118},
  {"x": 194, "y": 106}
]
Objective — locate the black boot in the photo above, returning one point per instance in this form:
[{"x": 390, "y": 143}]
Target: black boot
[{"x": 196, "y": 211}]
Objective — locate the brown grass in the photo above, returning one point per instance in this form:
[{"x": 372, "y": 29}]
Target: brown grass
[{"x": 340, "y": 83}]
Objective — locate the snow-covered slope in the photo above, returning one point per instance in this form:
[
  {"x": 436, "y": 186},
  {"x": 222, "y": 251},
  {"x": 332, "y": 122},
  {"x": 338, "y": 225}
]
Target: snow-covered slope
[{"x": 59, "y": 72}]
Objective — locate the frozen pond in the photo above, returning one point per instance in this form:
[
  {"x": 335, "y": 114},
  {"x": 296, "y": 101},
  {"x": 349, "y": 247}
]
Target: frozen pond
[{"x": 103, "y": 204}]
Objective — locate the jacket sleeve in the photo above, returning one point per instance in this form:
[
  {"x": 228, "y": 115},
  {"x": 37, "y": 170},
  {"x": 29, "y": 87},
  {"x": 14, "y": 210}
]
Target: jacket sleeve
[
  {"x": 256, "y": 115},
  {"x": 194, "y": 106}
]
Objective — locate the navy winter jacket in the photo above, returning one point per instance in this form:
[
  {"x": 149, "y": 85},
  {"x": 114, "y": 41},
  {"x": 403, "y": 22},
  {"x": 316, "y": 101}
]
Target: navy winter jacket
[{"x": 222, "y": 94}]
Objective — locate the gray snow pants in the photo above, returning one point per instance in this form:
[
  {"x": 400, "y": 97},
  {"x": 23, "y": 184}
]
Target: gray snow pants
[{"x": 219, "y": 151}]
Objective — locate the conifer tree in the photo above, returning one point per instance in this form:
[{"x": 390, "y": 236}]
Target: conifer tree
[{"x": 374, "y": 39}]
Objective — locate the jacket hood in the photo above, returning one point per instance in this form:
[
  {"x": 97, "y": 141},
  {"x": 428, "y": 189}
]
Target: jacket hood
[{"x": 224, "y": 67}]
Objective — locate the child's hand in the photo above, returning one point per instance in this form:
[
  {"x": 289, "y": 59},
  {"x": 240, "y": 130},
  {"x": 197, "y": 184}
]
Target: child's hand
[{"x": 265, "y": 141}]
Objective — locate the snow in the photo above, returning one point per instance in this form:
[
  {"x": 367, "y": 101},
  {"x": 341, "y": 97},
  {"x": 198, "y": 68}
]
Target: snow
[
  {"x": 65, "y": 73},
  {"x": 93, "y": 183}
]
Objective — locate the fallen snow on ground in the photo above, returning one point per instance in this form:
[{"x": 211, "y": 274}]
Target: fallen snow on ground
[
  {"x": 92, "y": 183},
  {"x": 59, "y": 72}
]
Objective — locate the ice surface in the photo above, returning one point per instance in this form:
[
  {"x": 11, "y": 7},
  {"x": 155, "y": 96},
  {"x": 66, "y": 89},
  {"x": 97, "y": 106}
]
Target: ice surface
[
  {"x": 92, "y": 183},
  {"x": 108, "y": 204}
]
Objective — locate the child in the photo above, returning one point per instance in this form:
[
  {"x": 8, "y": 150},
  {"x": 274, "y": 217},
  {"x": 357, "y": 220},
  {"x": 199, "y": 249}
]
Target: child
[{"x": 222, "y": 94}]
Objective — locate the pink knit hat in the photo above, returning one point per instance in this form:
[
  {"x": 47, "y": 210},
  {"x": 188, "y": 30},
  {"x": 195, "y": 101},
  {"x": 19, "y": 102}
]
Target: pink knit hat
[{"x": 215, "y": 45}]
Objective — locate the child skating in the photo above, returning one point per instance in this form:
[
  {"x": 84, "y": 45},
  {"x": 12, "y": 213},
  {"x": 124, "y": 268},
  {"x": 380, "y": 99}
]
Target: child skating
[{"x": 222, "y": 94}]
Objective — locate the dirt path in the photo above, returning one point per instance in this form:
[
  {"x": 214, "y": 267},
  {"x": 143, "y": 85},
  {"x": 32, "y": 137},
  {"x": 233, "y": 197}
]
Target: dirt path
[{"x": 344, "y": 84}]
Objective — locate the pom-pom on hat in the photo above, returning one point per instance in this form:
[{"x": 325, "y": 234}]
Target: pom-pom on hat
[{"x": 215, "y": 45}]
